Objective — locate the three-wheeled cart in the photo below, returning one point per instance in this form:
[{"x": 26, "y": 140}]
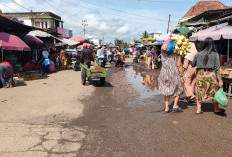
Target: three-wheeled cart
[{"x": 96, "y": 72}]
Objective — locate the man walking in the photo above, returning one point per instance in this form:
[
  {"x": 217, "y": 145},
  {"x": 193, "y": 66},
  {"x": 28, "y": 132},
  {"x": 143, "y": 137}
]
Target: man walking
[{"x": 87, "y": 57}]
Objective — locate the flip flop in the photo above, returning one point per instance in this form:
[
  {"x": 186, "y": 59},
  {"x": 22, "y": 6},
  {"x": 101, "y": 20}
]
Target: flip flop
[{"x": 198, "y": 113}]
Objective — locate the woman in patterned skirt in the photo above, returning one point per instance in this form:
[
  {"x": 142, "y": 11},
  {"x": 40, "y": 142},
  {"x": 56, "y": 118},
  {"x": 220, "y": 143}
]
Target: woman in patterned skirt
[
  {"x": 170, "y": 82},
  {"x": 208, "y": 76}
]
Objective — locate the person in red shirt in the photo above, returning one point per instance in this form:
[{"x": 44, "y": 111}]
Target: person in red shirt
[{"x": 6, "y": 68}]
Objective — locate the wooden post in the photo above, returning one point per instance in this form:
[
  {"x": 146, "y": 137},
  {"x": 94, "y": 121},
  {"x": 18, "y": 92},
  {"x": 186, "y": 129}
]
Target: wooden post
[{"x": 228, "y": 51}]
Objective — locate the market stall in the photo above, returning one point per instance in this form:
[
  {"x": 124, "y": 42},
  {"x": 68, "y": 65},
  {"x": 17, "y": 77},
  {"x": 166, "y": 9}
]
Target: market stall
[
  {"x": 12, "y": 42},
  {"x": 218, "y": 32}
]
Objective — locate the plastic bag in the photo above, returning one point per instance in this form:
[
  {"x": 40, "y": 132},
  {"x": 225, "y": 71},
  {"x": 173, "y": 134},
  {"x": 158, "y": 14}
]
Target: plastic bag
[
  {"x": 165, "y": 45},
  {"x": 171, "y": 47},
  {"x": 220, "y": 98}
]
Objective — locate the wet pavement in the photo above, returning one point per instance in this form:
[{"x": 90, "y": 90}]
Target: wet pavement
[{"x": 125, "y": 118}]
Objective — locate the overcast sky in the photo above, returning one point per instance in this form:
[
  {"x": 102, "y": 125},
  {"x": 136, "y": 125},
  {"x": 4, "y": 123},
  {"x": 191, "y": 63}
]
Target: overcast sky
[{"x": 123, "y": 19}]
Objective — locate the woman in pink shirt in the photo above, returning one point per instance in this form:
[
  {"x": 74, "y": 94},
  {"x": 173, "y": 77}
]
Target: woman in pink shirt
[{"x": 190, "y": 75}]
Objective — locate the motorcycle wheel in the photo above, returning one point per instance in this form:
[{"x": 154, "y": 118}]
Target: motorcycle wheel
[
  {"x": 83, "y": 77},
  {"x": 102, "y": 81}
]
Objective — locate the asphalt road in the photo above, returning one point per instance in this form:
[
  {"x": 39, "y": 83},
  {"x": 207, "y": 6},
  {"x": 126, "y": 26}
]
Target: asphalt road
[{"x": 125, "y": 119}]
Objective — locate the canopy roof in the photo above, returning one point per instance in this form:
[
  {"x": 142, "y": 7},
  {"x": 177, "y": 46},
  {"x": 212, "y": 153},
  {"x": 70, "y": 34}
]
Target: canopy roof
[
  {"x": 12, "y": 42},
  {"x": 165, "y": 37},
  {"x": 32, "y": 39},
  {"x": 78, "y": 39},
  {"x": 84, "y": 45},
  {"x": 217, "y": 32},
  {"x": 68, "y": 41},
  {"x": 39, "y": 33}
]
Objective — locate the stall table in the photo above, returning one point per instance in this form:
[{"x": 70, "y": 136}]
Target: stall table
[{"x": 226, "y": 73}]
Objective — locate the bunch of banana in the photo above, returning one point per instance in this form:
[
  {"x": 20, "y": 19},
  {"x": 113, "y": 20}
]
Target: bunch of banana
[{"x": 183, "y": 46}]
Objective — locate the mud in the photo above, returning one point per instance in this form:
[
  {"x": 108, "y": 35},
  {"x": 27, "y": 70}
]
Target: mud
[{"x": 124, "y": 120}]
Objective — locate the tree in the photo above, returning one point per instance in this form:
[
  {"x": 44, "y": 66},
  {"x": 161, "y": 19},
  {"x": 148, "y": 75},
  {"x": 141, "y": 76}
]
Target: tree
[
  {"x": 120, "y": 43},
  {"x": 145, "y": 34}
]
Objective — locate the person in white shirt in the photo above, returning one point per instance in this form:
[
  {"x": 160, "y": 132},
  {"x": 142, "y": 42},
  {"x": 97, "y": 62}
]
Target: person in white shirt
[{"x": 45, "y": 53}]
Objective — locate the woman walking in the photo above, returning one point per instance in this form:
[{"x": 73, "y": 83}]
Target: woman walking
[
  {"x": 63, "y": 58},
  {"x": 170, "y": 80},
  {"x": 208, "y": 76},
  {"x": 154, "y": 58},
  {"x": 190, "y": 75}
]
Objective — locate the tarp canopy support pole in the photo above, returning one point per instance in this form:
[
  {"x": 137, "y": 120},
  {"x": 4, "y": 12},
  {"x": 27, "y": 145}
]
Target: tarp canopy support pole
[
  {"x": 2, "y": 53},
  {"x": 228, "y": 51}
]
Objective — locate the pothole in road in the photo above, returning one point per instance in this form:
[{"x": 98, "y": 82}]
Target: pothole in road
[{"x": 144, "y": 83}]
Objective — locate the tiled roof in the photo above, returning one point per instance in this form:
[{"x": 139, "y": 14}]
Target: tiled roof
[{"x": 203, "y": 6}]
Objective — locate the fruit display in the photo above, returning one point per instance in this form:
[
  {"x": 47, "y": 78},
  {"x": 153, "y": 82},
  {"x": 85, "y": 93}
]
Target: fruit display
[
  {"x": 183, "y": 46},
  {"x": 29, "y": 77}
]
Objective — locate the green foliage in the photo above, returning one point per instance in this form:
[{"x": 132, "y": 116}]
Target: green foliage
[
  {"x": 120, "y": 43},
  {"x": 145, "y": 34}
]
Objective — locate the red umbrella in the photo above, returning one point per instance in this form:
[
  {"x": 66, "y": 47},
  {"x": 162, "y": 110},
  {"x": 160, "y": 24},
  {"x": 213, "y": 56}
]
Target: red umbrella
[
  {"x": 32, "y": 39},
  {"x": 77, "y": 39},
  {"x": 12, "y": 42}
]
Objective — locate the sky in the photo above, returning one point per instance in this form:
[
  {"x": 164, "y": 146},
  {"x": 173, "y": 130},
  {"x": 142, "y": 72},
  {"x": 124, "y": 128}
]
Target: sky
[{"x": 122, "y": 19}]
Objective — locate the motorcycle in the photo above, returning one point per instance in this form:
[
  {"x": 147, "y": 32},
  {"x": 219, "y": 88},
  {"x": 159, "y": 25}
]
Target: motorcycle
[
  {"x": 135, "y": 58},
  {"x": 111, "y": 58},
  {"x": 76, "y": 62},
  {"x": 119, "y": 60},
  {"x": 101, "y": 60}
]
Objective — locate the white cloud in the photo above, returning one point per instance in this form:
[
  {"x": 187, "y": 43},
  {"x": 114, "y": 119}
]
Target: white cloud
[
  {"x": 123, "y": 29},
  {"x": 113, "y": 24}
]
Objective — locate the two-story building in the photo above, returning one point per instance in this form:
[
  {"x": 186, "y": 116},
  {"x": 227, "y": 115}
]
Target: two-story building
[{"x": 44, "y": 20}]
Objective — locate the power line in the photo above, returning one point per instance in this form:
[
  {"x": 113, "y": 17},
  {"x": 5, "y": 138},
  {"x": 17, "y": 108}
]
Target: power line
[
  {"x": 8, "y": 7},
  {"x": 131, "y": 18},
  {"x": 123, "y": 11},
  {"x": 21, "y": 6}
]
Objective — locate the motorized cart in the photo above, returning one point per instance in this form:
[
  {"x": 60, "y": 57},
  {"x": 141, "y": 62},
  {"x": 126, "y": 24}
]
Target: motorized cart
[{"x": 96, "y": 72}]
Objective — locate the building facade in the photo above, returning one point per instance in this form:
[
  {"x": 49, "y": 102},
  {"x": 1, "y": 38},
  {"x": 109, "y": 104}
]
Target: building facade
[{"x": 43, "y": 20}]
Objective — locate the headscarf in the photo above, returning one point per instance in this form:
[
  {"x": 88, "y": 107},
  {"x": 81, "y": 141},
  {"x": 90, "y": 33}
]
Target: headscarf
[{"x": 191, "y": 55}]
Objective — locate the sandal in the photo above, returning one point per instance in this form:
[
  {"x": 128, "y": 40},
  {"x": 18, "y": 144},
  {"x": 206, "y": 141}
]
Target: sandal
[
  {"x": 192, "y": 100},
  {"x": 167, "y": 111},
  {"x": 198, "y": 113},
  {"x": 220, "y": 114},
  {"x": 176, "y": 110}
]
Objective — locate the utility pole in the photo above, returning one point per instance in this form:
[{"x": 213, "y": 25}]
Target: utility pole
[
  {"x": 103, "y": 38},
  {"x": 84, "y": 24},
  {"x": 169, "y": 23}
]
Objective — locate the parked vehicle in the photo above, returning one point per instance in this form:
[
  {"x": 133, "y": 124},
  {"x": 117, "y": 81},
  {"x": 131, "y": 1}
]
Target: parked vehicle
[
  {"x": 96, "y": 73},
  {"x": 135, "y": 58},
  {"x": 101, "y": 60},
  {"x": 119, "y": 60}
]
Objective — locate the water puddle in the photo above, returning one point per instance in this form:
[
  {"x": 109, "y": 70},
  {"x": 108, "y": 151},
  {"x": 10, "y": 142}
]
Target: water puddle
[{"x": 145, "y": 84}]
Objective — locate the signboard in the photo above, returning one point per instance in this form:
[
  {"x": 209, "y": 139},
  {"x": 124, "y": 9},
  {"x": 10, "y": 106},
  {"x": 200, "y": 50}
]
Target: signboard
[
  {"x": 64, "y": 32},
  {"x": 148, "y": 38}
]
